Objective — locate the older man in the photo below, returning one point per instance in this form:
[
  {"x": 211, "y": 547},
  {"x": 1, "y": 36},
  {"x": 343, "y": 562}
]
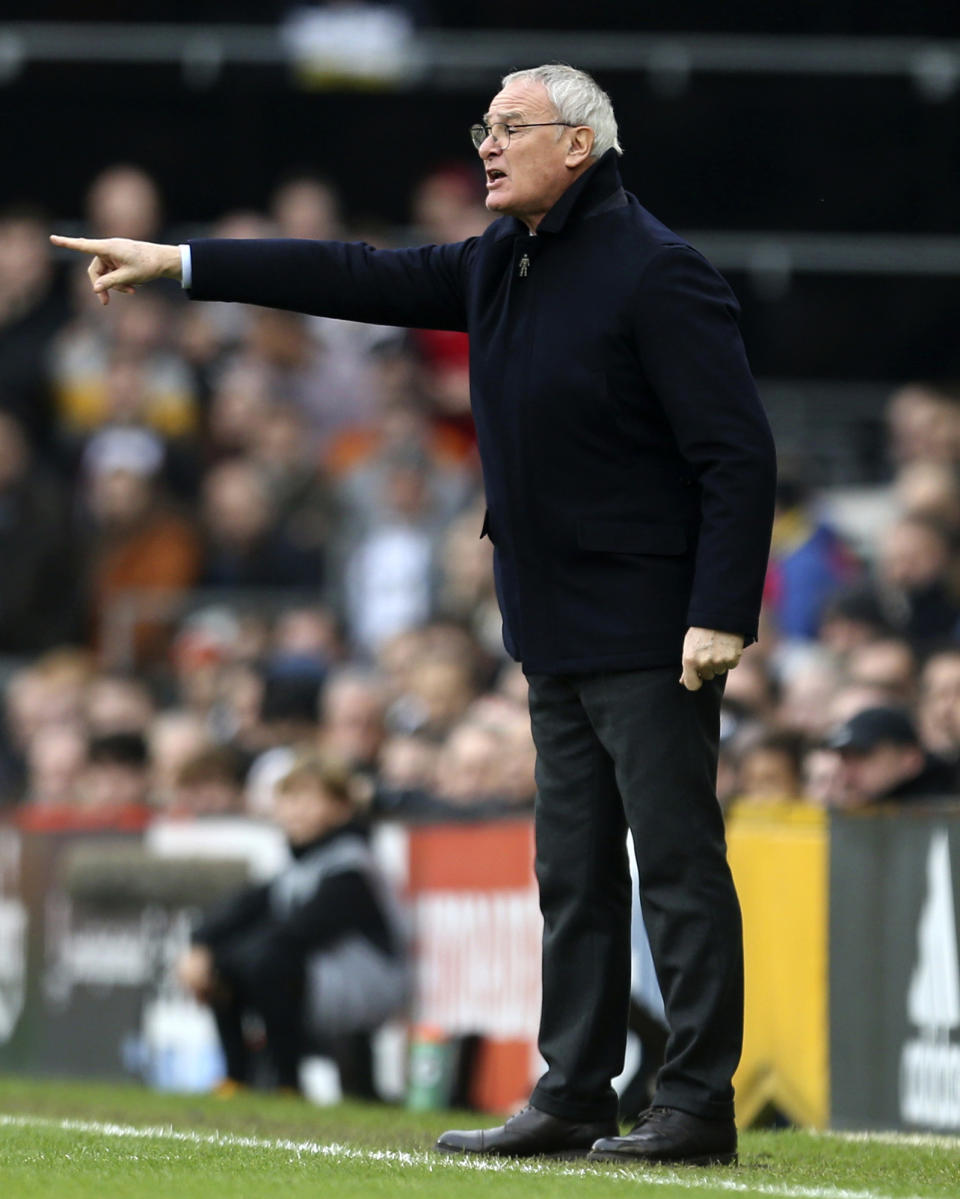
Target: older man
[{"x": 629, "y": 472}]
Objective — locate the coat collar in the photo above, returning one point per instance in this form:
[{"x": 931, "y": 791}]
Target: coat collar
[{"x": 594, "y": 186}]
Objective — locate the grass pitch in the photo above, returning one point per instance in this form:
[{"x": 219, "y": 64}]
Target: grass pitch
[{"x": 73, "y": 1140}]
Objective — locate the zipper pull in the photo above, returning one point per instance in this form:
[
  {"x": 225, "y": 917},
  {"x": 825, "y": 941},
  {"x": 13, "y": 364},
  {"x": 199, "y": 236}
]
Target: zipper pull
[{"x": 524, "y": 266}]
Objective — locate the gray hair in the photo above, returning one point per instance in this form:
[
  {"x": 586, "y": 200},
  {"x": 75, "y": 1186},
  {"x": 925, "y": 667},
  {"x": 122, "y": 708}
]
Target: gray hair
[{"x": 578, "y": 99}]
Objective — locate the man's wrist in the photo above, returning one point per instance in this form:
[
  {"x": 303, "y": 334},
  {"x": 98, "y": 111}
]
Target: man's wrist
[{"x": 169, "y": 265}]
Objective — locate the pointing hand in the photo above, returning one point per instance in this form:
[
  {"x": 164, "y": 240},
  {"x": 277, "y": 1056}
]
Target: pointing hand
[{"x": 121, "y": 264}]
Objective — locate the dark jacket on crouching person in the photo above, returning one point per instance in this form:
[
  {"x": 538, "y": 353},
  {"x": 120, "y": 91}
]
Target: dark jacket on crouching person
[{"x": 318, "y": 954}]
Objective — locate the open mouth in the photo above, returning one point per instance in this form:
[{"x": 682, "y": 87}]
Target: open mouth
[{"x": 494, "y": 176}]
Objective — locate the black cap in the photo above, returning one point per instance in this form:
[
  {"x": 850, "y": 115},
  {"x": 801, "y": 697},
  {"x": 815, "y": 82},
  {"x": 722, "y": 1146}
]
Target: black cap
[{"x": 873, "y": 727}]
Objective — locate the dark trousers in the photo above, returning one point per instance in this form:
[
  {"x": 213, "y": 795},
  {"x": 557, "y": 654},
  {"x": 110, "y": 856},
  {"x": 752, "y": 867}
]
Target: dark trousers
[
  {"x": 635, "y": 749},
  {"x": 272, "y": 987}
]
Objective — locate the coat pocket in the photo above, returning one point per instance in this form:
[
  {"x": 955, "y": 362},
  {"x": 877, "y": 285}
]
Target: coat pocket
[{"x": 631, "y": 537}]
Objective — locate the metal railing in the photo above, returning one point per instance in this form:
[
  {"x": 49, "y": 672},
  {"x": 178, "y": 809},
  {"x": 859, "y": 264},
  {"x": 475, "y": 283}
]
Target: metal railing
[{"x": 458, "y": 59}]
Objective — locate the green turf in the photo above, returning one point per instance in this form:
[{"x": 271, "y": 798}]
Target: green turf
[{"x": 159, "y": 1145}]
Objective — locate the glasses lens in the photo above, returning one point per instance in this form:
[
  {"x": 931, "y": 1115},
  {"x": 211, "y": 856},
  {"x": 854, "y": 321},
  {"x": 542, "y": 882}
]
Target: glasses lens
[{"x": 499, "y": 132}]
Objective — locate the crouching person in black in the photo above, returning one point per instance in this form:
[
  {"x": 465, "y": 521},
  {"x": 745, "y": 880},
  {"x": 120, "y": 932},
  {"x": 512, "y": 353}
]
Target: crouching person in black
[{"x": 317, "y": 954}]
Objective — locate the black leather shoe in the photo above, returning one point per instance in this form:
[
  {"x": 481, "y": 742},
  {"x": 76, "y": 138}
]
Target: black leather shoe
[
  {"x": 530, "y": 1133},
  {"x": 665, "y": 1134}
]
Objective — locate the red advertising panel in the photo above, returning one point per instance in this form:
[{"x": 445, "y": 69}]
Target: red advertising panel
[{"x": 477, "y": 930}]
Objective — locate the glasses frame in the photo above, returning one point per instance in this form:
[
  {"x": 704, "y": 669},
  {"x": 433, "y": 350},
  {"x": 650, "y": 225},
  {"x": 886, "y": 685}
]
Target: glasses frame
[{"x": 481, "y": 127}]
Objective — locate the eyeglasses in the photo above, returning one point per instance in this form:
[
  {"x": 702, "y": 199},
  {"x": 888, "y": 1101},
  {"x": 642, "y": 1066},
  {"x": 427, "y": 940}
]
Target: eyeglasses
[{"x": 500, "y": 132}]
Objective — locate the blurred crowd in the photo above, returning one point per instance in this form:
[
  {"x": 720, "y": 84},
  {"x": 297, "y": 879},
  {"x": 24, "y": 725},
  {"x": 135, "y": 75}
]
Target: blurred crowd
[{"x": 230, "y": 533}]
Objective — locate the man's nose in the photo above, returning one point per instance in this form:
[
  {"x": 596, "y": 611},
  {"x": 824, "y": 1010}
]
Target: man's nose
[{"x": 489, "y": 147}]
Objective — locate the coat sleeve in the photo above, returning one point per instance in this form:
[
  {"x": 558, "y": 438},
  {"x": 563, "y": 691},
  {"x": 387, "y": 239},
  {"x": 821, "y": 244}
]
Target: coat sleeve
[
  {"x": 422, "y": 288},
  {"x": 693, "y": 357}
]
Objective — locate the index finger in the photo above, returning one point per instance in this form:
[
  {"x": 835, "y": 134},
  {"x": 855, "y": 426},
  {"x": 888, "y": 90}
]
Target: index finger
[{"x": 86, "y": 245}]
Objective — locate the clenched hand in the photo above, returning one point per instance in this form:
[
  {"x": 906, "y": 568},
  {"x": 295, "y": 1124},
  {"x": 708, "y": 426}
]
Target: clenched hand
[
  {"x": 121, "y": 264},
  {"x": 195, "y": 972},
  {"x": 707, "y": 653}
]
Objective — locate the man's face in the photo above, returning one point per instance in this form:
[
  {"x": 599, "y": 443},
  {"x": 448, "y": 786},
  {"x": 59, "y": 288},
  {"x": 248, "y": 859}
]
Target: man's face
[
  {"x": 871, "y": 774},
  {"x": 527, "y": 178},
  {"x": 940, "y": 702},
  {"x": 306, "y": 811}
]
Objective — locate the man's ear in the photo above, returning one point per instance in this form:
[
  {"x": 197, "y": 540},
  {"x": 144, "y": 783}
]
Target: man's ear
[{"x": 581, "y": 145}]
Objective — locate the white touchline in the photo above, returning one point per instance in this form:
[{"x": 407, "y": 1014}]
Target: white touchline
[
  {"x": 919, "y": 1140},
  {"x": 656, "y": 1176}
]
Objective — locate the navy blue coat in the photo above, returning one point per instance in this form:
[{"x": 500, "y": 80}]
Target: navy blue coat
[{"x": 628, "y": 464}]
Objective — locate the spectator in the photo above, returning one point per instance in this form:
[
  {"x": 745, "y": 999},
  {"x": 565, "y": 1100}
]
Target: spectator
[
  {"x": 117, "y": 774},
  {"x": 401, "y": 431},
  {"x": 854, "y": 616},
  {"x": 939, "y": 708},
  {"x": 38, "y": 606},
  {"x": 306, "y": 205},
  {"x": 208, "y": 335},
  {"x": 304, "y": 508},
  {"x": 440, "y": 690},
  {"x": 32, "y": 310},
  {"x": 206, "y": 643},
  {"x": 930, "y": 491},
  {"x": 117, "y": 703},
  {"x": 447, "y": 207},
  {"x": 889, "y": 666},
  {"x": 466, "y": 590},
  {"x": 770, "y": 768},
  {"x": 307, "y": 631},
  {"x": 239, "y": 403},
  {"x": 318, "y": 952},
  {"x": 352, "y": 711},
  {"x": 210, "y": 783},
  {"x": 242, "y": 710},
  {"x": 806, "y": 691},
  {"x": 923, "y": 424},
  {"x": 244, "y": 547},
  {"x": 915, "y": 560},
  {"x": 852, "y": 698},
  {"x": 122, "y": 368},
  {"x": 136, "y": 544},
  {"x": 177, "y": 736},
  {"x": 396, "y": 658},
  {"x": 124, "y": 201},
  {"x": 809, "y": 562},
  {"x": 883, "y": 760},
  {"x": 515, "y": 784},
  {"x": 48, "y": 694},
  {"x": 752, "y": 693},
  {"x": 288, "y": 709},
  {"x": 56, "y": 761},
  {"x": 823, "y": 777},
  {"x": 468, "y": 770},
  {"x": 408, "y": 763},
  {"x": 512, "y": 683},
  {"x": 389, "y": 575},
  {"x": 332, "y": 386}
]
